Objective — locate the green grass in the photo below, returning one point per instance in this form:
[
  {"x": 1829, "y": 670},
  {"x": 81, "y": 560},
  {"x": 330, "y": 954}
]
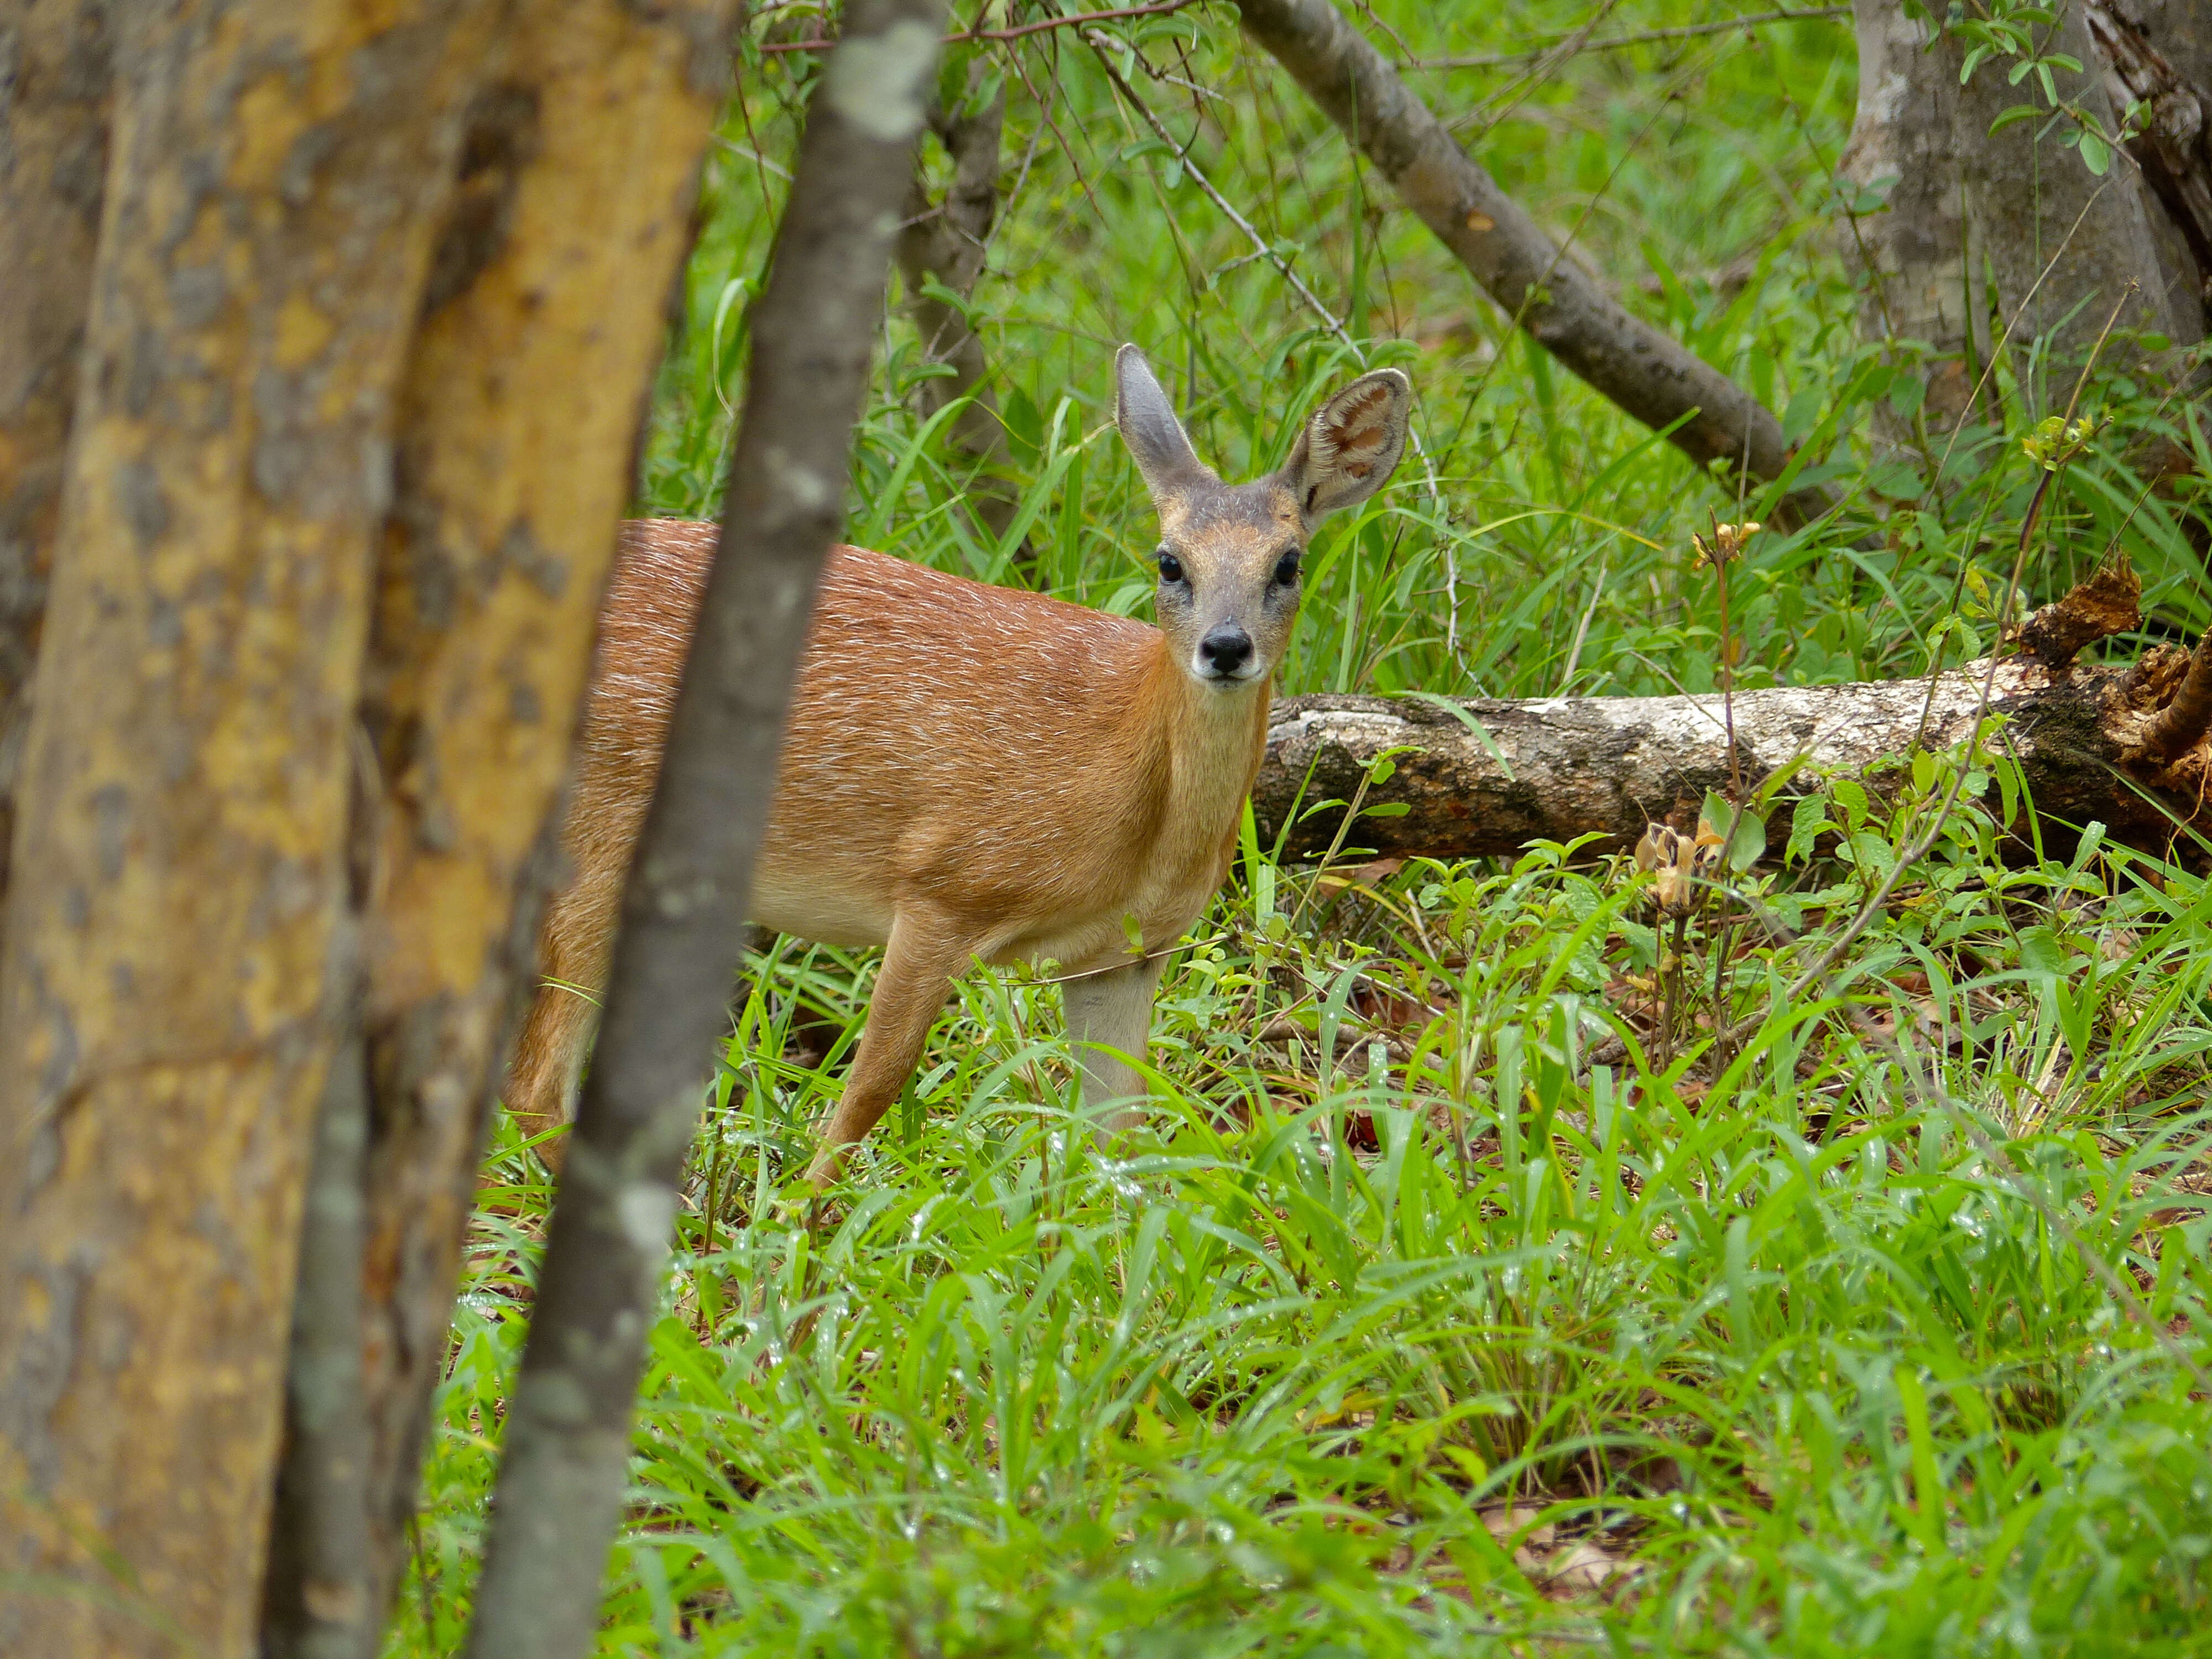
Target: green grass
[{"x": 1469, "y": 1290}]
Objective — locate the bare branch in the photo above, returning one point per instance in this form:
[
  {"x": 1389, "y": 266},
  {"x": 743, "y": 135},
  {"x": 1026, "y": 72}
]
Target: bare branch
[
  {"x": 1616, "y": 42},
  {"x": 1018, "y": 31},
  {"x": 1646, "y": 372}
]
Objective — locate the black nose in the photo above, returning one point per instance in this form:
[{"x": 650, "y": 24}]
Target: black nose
[{"x": 1225, "y": 648}]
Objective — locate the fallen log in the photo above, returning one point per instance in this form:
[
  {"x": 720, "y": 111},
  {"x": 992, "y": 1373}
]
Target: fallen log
[{"x": 1482, "y": 777}]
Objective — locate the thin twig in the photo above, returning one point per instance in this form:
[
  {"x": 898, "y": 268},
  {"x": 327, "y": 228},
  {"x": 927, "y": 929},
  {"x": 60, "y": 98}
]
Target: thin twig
[
  {"x": 968, "y": 37},
  {"x": 1614, "y": 42}
]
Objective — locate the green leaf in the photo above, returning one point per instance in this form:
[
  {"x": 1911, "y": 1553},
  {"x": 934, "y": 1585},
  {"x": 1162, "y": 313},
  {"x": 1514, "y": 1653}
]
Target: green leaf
[
  {"x": 2096, "y": 154},
  {"x": 1748, "y": 844},
  {"x": 2018, "y": 112},
  {"x": 1808, "y": 822},
  {"x": 1389, "y": 809},
  {"x": 1852, "y": 799},
  {"x": 1802, "y": 415},
  {"x": 2042, "y": 951}
]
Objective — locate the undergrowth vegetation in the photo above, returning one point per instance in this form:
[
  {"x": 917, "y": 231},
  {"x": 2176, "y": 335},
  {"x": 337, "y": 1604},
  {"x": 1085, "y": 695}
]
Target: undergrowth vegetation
[{"x": 1818, "y": 1269}]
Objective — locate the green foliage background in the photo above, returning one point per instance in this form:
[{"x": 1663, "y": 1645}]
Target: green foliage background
[{"x": 1418, "y": 1329}]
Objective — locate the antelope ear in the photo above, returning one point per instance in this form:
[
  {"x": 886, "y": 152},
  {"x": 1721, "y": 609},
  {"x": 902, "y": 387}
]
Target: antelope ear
[
  {"x": 1350, "y": 446},
  {"x": 1149, "y": 429}
]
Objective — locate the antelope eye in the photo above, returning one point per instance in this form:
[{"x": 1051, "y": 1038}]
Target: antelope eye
[
  {"x": 1171, "y": 567},
  {"x": 1286, "y": 568}
]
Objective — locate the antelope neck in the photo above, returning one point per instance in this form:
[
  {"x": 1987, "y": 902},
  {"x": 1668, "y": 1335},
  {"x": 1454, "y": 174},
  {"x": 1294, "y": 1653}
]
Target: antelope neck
[{"x": 1211, "y": 737}]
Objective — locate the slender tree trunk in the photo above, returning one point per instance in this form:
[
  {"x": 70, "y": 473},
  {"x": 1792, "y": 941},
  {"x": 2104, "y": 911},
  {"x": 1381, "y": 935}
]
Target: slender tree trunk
[
  {"x": 1648, "y": 374},
  {"x": 179, "y": 957},
  {"x": 519, "y": 412},
  {"x": 54, "y": 89},
  {"x": 567, "y": 1429},
  {"x": 943, "y": 246}
]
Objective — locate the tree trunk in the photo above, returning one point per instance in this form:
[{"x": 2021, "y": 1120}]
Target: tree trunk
[
  {"x": 1981, "y": 233},
  {"x": 561, "y": 1482},
  {"x": 54, "y": 87},
  {"x": 1906, "y": 228},
  {"x": 180, "y": 956},
  {"x": 1558, "y": 768},
  {"x": 1648, "y": 374},
  {"x": 519, "y": 412},
  {"x": 944, "y": 245}
]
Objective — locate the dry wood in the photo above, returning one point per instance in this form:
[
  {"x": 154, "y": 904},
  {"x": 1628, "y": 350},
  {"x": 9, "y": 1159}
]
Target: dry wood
[
  {"x": 2182, "y": 723},
  {"x": 519, "y": 412},
  {"x": 1481, "y": 777},
  {"x": 1648, "y": 374},
  {"x": 560, "y": 1483},
  {"x": 180, "y": 959}
]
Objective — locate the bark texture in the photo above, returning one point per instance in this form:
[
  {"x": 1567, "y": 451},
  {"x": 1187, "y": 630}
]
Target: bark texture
[
  {"x": 519, "y": 413},
  {"x": 1646, "y": 372},
  {"x": 2170, "y": 148},
  {"x": 54, "y": 93},
  {"x": 943, "y": 244},
  {"x": 1981, "y": 232},
  {"x": 568, "y": 1429},
  {"x": 1908, "y": 227},
  {"x": 1564, "y": 766},
  {"x": 2060, "y": 243},
  {"x": 180, "y": 956}
]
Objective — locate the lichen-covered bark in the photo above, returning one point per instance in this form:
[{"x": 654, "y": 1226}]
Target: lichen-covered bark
[
  {"x": 519, "y": 416},
  {"x": 1564, "y": 766},
  {"x": 178, "y": 959},
  {"x": 54, "y": 84}
]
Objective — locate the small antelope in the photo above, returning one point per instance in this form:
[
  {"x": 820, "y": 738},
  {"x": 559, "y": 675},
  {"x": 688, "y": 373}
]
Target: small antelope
[{"x": 972, "y": 772}]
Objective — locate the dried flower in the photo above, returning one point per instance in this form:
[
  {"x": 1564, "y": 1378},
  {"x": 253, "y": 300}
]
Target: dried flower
[{"x": 1724, "y": 543}]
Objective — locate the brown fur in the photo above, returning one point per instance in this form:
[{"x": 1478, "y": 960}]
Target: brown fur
[{"x": 970, "y": 772}]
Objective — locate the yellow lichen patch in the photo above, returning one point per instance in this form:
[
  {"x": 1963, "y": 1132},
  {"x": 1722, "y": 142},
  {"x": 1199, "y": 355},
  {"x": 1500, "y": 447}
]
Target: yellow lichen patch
[{"x": 303, "y": 330}]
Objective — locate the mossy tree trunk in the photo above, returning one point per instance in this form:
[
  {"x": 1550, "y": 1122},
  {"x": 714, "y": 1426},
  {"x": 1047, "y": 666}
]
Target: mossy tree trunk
[{"x": 182, "y": 951}]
